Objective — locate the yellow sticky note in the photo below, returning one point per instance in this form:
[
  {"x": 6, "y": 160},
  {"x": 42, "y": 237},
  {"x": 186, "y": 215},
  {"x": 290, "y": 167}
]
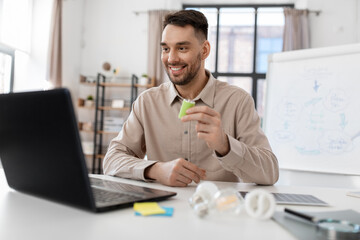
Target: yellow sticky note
[{"x": 148, "y": 208}]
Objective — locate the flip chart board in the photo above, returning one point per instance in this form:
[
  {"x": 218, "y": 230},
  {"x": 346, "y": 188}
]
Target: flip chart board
[{"x": 312, "y": 114}]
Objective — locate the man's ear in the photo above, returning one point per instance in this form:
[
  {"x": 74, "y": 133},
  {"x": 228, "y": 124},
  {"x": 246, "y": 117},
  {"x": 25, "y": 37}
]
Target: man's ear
[{"x": 205, "y": 50}]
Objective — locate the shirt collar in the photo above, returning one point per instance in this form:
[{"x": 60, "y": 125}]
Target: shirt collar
[
  {"x": 207, "y": 94},
  {"x": 173, "y": 93}
]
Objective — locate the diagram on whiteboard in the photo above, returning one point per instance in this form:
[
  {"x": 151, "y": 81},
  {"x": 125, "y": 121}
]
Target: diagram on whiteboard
[
  {"x": 316, "y": 125},
  {"x": 313, "y": 109}
]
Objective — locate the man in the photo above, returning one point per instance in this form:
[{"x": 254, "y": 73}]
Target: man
[{"x": 219, "y": 139}]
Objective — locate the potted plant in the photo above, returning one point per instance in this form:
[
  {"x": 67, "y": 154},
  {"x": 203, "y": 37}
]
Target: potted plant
[
  {"x": 89, "y": 102},
  {"x": 144, "y": 79}
]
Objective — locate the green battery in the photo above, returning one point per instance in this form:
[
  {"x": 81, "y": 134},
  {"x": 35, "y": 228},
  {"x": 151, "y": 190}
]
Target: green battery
[{"x": 186, "y": 104}]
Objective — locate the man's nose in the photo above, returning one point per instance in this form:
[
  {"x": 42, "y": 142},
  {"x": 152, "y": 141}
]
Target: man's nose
[{"x": 173, "y": 57}]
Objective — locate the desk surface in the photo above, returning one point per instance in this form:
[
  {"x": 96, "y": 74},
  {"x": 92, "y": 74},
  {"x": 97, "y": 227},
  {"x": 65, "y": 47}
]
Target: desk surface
[{"x": 26, "y": 217}]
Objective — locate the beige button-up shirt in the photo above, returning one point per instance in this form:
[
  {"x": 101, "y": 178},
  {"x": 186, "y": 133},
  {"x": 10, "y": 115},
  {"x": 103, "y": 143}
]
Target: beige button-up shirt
[{"x": 153, "y": 129}]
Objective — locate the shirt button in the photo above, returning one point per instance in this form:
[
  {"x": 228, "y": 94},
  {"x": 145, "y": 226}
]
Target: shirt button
[{"x": 185, "y": 132}]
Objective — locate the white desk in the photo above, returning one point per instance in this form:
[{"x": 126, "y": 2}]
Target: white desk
[
  {"x": 27, "y": 217},
  {"x": 318, "y": 179}
]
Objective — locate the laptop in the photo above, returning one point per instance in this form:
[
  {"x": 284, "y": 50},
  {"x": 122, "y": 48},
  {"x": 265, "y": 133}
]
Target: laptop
[{"x": 41, "y": 153}]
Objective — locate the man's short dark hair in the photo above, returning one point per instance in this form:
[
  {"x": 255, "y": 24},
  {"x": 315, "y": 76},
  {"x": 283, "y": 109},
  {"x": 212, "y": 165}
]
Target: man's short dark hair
[{"x": 189, "y": 17}]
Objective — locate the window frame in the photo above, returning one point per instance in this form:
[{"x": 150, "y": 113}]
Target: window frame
[{"x": 253, "y": 74}]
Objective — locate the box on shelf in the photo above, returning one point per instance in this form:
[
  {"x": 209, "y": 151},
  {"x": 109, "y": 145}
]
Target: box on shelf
[
  {"x": 89, "y": 103},
  {"x": 118, "y": 103},
  {"x": 81, "y": 102},
  {"x": 87, "y": 79},
  {"x": 113, "y": 124},
  {"x": 118, "y": 79},
  {"x": 87, "y": 126},
  {"x": 88, "y": 147},
  {"x": 112, "y": 128},
  {"x": 113, "y": 120}
]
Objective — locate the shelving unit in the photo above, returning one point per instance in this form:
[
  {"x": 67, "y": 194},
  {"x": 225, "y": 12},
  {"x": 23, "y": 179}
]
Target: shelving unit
[
  {"x": 94, "y": 130},
  {"x": 86, "y": 117},
  {"x": 100, "y": 111}
]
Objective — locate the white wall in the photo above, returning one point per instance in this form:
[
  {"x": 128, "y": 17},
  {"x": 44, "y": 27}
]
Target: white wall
[
  {"x": 113, "y": 33},
  {"x": 337, "y": 24},
  {"x": 358, "y": 20},
  {"x": 72, "y": 28}
]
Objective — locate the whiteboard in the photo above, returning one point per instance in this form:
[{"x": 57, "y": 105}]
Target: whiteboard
[{"x": 312, "y": 116}]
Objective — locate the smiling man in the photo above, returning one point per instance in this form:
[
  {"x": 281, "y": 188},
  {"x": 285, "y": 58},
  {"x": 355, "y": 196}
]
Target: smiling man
[{"x": 219, "y": 139}]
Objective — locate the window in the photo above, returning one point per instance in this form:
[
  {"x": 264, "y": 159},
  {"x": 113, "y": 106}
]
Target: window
[
  {"x": 15, "y": 42},
  {"x": 7, "y": 60},
  {"x": 241, "y": 38},
  {"x": 15, "y": 23},
  {"x": 24, "y": 27}
]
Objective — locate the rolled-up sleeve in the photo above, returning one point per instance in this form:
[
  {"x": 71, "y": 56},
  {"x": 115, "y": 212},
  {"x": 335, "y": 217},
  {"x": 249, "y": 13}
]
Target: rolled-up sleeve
[{"x": 125, "y": 154}]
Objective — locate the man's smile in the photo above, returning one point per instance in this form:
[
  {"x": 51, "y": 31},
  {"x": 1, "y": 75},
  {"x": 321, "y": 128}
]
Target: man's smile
[{"x": 176, "y": 70}]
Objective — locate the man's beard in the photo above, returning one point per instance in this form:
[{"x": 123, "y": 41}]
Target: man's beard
[{"x": 188, "y": 77}]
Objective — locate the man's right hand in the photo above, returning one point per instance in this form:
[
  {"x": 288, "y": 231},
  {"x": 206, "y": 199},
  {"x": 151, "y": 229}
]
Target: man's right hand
[{"x": 175, "y": 173}]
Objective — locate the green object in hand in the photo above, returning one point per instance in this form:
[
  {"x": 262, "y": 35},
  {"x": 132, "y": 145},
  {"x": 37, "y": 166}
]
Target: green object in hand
[{"x": 186, "y": 104}]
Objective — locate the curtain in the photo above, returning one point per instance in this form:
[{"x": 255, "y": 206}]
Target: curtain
[
  {"x": 55, "y": 56},
  {"x": 296, "y": 29},
  {"x": 155, "y": 68}
]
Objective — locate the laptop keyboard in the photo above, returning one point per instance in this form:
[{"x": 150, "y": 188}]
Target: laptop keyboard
[
  {"x": 108, "y": 193},
  {"x": 108, "y": 197}
]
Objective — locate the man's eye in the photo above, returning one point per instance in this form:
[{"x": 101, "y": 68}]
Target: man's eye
[
  {"x": 165, "y": 49},
  {"x": 182, "y": 49}
]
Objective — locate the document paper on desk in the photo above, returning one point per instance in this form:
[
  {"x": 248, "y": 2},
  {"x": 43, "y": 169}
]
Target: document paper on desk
[{"x": 302, "y": 229}]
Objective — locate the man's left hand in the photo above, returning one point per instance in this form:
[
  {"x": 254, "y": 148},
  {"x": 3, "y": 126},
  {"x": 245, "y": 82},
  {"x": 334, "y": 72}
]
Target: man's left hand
[{"x": 209, "y": 128}]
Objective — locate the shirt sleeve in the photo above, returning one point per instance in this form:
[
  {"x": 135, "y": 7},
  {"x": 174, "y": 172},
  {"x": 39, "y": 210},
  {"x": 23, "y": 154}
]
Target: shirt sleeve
[
  {"x": 250, "y": 157},
  {"x": 125, "y": 154}
]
